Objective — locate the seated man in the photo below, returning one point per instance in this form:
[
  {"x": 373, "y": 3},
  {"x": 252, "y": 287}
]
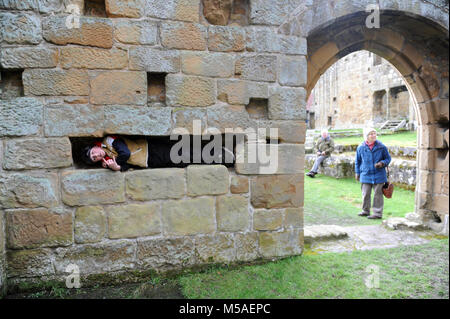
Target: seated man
[
  {"x": 324, "y": 147},
  {"x": 118, "y": 153}
]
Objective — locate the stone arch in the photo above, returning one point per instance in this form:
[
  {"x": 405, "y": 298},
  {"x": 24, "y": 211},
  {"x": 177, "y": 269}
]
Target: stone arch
[{"x": 414, "y": 38}]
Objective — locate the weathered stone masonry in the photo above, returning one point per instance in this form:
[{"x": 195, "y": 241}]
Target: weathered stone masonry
[{"x": 94, "y": 80}]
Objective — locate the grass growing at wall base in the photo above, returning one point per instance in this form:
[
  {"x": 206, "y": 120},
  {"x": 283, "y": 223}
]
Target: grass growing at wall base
[
  {"x": 405, "y": 272},
  {"x": 338, "y": 201}
]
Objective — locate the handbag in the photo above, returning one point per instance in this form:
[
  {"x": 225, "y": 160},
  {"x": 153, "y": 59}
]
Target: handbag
[{"x": 388, "y": 187}]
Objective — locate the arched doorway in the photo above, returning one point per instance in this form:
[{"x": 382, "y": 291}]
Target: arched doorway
[{"x": 415, "y": 41}]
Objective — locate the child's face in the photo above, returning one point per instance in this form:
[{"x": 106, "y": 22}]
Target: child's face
[{"x": 97, "y": 154}]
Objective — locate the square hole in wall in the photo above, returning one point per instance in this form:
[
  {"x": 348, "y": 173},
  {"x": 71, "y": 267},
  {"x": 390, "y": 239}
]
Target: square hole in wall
[
  {"x": 11, "y": 85},
  {"x": 156, "y": 87},
  {"x": 257, "y": 108},
  {"x": 95, "y": 8},
  {"x": 161, "y": 147}
]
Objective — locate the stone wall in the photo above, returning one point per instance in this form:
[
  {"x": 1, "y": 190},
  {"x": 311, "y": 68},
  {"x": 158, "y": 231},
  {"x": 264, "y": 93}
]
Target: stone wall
[
  {"x": 340, "y": 166},
  {"x": 96, "y": 79},
  {"x": 360, "y": 89}
]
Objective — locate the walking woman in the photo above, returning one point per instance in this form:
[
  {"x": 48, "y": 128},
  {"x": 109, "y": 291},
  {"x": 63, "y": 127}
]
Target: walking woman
[{"x": 372, "y": 157}]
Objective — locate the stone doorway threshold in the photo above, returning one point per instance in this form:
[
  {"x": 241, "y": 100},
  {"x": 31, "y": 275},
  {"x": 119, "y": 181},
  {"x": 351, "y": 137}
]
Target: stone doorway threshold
[{"x": 330, "y": 238}]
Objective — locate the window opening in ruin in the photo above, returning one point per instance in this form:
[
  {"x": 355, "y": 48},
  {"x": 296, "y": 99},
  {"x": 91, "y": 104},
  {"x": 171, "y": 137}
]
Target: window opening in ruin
[
  {"x": 330, "y": 120},
  {"x": 79, "y": 143},
  {"x": 95, "y": 8},
  {"x": 257, "y": 108},
  {"x": 156, "y": 87},
  {"x": 379, "y": 109},
  {"x": 11, "y": 85},
  {"x": 376, "y": 60},
  {"x": 226, "y": 12}
]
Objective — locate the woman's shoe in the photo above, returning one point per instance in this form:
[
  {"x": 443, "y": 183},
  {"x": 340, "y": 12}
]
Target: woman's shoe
[{"x": 363, "y": 214}]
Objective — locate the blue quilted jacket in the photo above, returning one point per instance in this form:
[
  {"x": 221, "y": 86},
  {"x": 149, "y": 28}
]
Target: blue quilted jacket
[{"x": 365, "y": 163}]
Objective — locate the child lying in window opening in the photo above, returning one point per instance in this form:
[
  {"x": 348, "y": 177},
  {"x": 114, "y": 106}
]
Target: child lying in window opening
[{"x": 118, "y": 153}]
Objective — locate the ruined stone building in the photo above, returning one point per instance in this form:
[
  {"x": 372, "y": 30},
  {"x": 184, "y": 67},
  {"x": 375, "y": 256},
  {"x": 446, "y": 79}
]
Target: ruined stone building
[
  {"x": 360, "y": 89},
  {"x": 76, "y": 70}
]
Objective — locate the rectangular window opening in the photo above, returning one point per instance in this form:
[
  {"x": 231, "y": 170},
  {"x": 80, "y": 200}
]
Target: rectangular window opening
[
  {"x": 11, "y": 85},
  {"x": 159, "y": 146},
  {"x": 95, "y": 8},
  {"x": 258, "y": 108},
  {"x": 156, "y": 88}
]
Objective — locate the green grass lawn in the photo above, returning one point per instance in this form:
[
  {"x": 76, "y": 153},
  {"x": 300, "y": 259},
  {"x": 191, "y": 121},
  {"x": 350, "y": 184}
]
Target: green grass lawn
[
  {"x": 408, "y": 138},
  {"x": 405, "y": 272},
  {"x": 338, "y": 201}
]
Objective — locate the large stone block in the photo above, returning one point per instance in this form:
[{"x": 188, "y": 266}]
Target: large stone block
[
  {"x": 190, "y": 90},
  {"x": 37, "y": 153},
  {"x": 293, "y": 71},
  {"x": 20, "y": 28},
  {"x": 207, "y": 64},
  {"x": 153, "y": 184},
  {"x": 261, "y": 158},
  {"x": 43, "y": 6},
  {"x": 135, "y": 32},
  {"x": 166, "y": 253},
  {"x": 91, "y": 187},
  {"x": 97, "y": 258},
  {"x": 34, "y": 189},
  {"x": 183, "y": 10},
  {"x": 129, "y": 8},
  {"x": 28, "y": 57},
  {"x": 224, "y": 117},
  {"x": 134, "y": 220},
  {"x": 257, "y": 68},
  {"x": 246, "y": 246},
  {"x": 264, "y": 219},
  {"x": 185, "y": 36},
  {"x": 226, "y": 38},
  {"x": 240, "y": 92},
  {"x": 215, "y": 249},
  {"x": 287, "y": 103},
  {"x": 90, "y": 224},
  {"x": 280, "y": 244},
  {"x": 207, "y": 180},
  {"x": 137, "y": 120},
  {"x": 20, "y": 116},
  {"x": 38, "y": 228},
  {"x": 263, "y": 39},
  {"x": 154, "y": 60},
  {"x": 232, "y": 213},
  {"x": 19, "y": 4},
  {"x": 288, "y": 131},
  {"x": 73, "y": 120},
  {"x": 29, "y": 263},
  {"x": 188, "y": 217},
  {"x": 55, "y": 82},
  {"x": 272, "y": 12},
  {"x": 93, "y": 58},
  {"x": 277, "y": 191},
  {"x": 185, "y": 117},
  {"x": 293, "y": 218},
  {"x": 239, "y": 184},
  {"x": 92, "y": 31},
  {"x": 119, "y": 87}
]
